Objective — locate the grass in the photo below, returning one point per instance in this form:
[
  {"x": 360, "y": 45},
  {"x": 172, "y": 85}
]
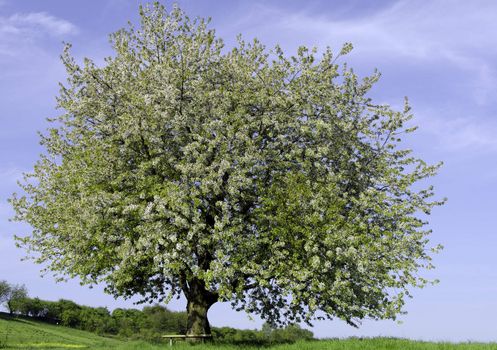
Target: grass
[{"x": 22, "y": 333}]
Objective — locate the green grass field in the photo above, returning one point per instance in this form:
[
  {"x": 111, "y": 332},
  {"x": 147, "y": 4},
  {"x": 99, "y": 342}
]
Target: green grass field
[{"x": 18, "y": 333}]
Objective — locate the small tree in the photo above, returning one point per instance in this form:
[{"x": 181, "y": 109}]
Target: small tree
[
  {"x": 16, "y": 298},
  {"x": 242, "y": 175},
  {"x": 5, "y": 290}
]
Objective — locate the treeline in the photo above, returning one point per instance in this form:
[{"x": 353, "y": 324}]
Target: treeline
[
  {"x": 267, "y": 336},
  {"x": 150, "y": 323}
]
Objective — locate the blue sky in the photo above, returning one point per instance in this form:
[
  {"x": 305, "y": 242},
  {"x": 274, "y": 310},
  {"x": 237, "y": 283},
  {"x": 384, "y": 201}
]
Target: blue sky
[{"x": 441, "y": 54}]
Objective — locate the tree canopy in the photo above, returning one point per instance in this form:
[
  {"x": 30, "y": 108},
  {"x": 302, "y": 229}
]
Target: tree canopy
[
  {"x": 234, "y": 174},
  {"x": 5, "y": 289},
  {"x": 12, "y": 295}
]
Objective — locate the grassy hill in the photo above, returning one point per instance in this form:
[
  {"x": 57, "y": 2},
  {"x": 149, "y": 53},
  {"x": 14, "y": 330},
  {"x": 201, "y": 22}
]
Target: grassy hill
[{"x": 23, "y": 333}]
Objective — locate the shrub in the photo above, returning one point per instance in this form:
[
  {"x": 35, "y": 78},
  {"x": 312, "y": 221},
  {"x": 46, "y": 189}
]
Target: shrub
[{"x": 267, "y": 336}]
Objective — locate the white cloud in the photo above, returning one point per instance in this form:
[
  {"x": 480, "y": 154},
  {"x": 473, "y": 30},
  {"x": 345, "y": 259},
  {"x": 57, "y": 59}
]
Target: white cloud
[
  {"x": 469, "y": 134},
  {"x": 456, "y": 34},
  {"x": 25, "y": 51},
  {"x": 21, "y": 34},
  {"x": 422, "y": 30},
  {"x": 34, "y": 23},
  {"x": 9, "y": 176}
]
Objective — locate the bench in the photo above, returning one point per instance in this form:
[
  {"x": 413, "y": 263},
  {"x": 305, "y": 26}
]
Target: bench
[{"x": 186, "y": 336}]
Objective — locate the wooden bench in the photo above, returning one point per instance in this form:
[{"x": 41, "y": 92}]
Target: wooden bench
[{"x": 186, "y": 336}]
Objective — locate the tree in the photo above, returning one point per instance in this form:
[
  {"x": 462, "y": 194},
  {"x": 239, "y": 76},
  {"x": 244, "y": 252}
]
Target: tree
[
  {"x": 34, "y": 308},
  {"x": 16, "y": 298},
  {"x": 241, "y": 175},
  {"x": 5, "y": 289},
  {"x": 128, "y": 321},
  {"x": 69, "y": 313}
]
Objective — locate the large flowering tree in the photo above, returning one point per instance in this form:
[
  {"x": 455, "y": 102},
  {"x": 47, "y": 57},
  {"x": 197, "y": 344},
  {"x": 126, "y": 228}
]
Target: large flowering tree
[{"x": 241, "y": 175}]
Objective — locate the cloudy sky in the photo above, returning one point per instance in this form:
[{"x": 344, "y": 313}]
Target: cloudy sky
[{"x": 441, "y": 54}]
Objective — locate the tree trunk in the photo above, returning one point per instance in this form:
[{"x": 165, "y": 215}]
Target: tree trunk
[
  {"x": 199, "y": 302},
  {"x": 198, "y": 323}
]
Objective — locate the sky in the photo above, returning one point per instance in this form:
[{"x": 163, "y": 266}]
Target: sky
[{"x": 441, "y": 54}]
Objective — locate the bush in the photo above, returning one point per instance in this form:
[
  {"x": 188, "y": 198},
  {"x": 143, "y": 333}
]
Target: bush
[
  {"x": 97, "y": 320},
  {"x": 290, "y": 334},
  {"x": 266, "y": 336},
  {"x": 161, "y": 320}
]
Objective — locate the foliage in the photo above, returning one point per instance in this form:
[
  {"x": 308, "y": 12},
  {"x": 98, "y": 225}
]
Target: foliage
[
  {"x": 159, "y": 321},
  {"x": 14, "y": 297},
  {"x": 4, "y": 291},
  {"x": 267, "y": 336},
  {"x": 241, "y": 175}
]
